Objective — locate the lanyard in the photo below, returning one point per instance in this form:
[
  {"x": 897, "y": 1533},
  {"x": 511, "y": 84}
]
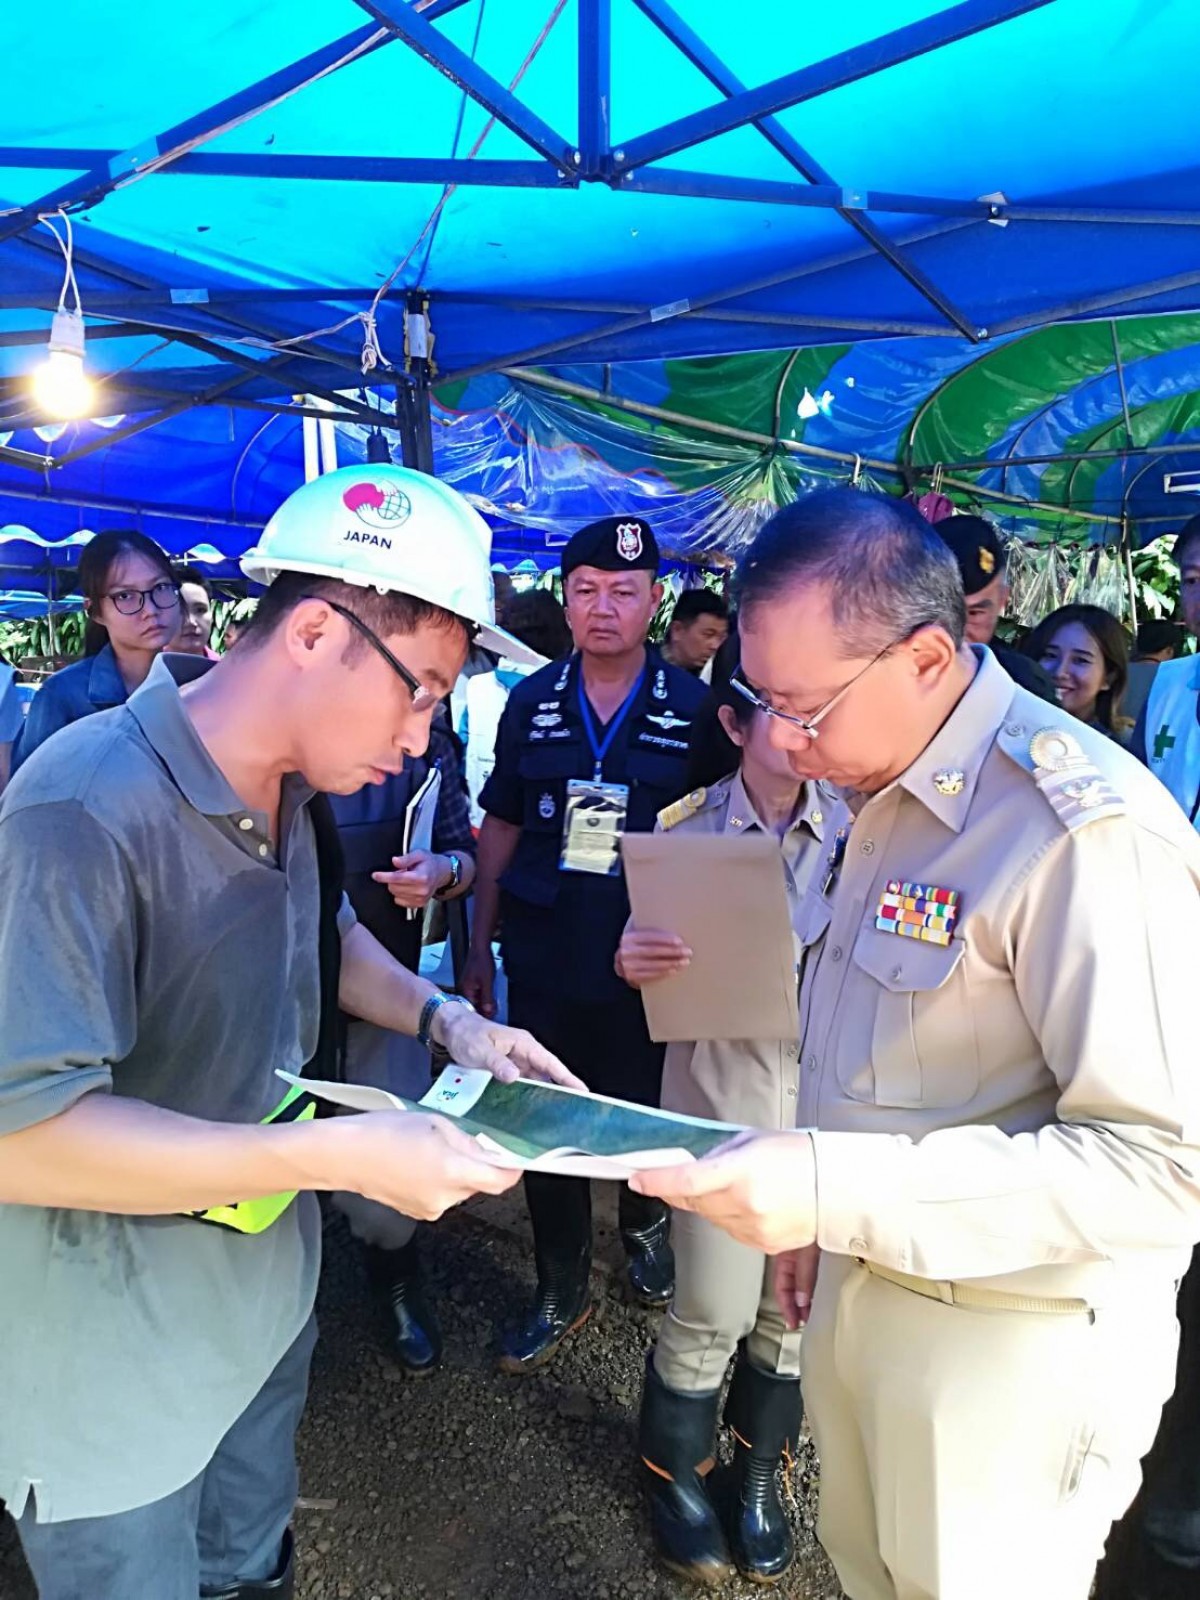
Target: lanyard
[{"x": 601, "y": 748}]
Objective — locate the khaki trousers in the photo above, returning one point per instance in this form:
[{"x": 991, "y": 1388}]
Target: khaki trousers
[
  {"x": 723, "y": 1294},
  {"x": 977, "y": 1455}
]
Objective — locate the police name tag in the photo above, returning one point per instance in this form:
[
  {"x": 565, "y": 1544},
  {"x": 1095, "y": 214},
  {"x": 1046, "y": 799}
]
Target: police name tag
[{"x": 593, "y": 826}]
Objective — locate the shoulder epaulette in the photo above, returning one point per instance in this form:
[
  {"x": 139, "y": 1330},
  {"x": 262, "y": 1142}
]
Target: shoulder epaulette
[
  {"x": 671, "y": 816},
  {"x": 1076, "y": 788}
]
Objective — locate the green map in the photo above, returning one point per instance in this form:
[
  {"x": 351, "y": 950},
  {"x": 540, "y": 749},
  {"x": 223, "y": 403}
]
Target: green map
[{"x": 530, "y": 1119}]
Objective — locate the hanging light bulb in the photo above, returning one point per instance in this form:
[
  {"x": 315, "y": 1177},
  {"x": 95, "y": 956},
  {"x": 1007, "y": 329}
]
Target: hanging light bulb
[{"x": 60, "y": 385}]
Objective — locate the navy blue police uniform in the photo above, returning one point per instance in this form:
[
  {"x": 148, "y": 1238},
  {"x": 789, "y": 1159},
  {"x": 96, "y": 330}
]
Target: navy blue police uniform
[{"x": 560, "y": 928}]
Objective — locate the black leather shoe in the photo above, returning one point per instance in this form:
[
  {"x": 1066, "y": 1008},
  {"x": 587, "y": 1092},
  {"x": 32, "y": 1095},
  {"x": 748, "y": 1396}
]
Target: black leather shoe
[
  {"x": 281, "y": 1587},
  {"x": 676, "y": 1439},
  {"x": 646, "y": 1234},
  {"x": 561, "y": 1306},
  {"x": 764, "y": 1412},
  {"x": 396, "y": 1274}
]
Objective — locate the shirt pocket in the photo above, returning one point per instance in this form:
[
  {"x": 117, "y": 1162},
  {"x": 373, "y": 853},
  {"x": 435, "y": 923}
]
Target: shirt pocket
[
  {"x": 910, "y": 1038},
  {"x": 544, "y": 770},
  {"x": 656, "y": 778}
]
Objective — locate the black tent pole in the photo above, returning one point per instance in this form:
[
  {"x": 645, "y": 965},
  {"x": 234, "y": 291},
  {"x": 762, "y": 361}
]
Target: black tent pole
[{"x": 413, "y": 396}]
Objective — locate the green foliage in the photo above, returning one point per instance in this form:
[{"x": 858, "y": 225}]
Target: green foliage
[
  {"x": 1156, "y": 579},
  {"x": 43, "y": 637}
]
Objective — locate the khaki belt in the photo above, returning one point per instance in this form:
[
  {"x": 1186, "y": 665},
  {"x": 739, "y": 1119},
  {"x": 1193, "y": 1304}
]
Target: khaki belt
[{"x": 962, "y": 1294}]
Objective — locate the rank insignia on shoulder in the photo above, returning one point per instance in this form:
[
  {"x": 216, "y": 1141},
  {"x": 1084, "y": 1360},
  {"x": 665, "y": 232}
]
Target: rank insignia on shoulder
[
  {"x": 671, "y": 816},
  {"x": 1077, "y": 789},
  {"x": 918, "y": 911}
]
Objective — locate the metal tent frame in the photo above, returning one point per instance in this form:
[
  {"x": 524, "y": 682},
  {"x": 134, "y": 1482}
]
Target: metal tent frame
[{"x": 209, "y": 317}]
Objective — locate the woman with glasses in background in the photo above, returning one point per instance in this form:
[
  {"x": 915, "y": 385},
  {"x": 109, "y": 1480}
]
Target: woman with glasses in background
[{"x": 131, "y": 599}]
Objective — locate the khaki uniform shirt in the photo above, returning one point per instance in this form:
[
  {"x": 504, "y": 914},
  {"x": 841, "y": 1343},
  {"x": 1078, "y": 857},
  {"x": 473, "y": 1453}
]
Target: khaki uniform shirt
[
  {"x": 1023, "y": 1099},
  {"x": 750, "y": 1081}
]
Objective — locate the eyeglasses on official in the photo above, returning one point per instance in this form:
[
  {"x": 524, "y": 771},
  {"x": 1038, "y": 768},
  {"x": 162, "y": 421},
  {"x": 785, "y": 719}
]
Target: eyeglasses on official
[
  {"x": 423, "y": 699},
  {"x": 810, "y": 726}
]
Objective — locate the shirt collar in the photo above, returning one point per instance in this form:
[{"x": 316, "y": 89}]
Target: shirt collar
[
  {"x": 158, "y": 709},
  {"x": 741, "y": 817},
  {"x": 106, "y": 687},
  {"x": 944, "y": 776}
]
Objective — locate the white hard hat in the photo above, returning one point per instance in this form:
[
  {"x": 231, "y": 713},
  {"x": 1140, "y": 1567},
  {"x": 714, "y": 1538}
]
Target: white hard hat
[{"x": 392, "y": 529}]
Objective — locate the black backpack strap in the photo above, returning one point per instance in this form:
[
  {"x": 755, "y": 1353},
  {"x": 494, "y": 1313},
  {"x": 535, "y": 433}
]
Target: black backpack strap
[{"x": 327, "y": 1061}]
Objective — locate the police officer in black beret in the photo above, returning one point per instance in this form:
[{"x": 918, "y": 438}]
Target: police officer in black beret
[
  {"x": 981, "y": 561},
  {"x": 589, "y": 747}
]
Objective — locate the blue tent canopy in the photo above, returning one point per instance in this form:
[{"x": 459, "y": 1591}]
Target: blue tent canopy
[{"x": 593, "y": 180}]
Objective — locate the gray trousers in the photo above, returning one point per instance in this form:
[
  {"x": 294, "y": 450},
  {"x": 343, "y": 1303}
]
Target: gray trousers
[
  {"x": 382, "y": 1060},
  {"x": 723, "y": 1294},
  {"x": 223, "y": 1528}
]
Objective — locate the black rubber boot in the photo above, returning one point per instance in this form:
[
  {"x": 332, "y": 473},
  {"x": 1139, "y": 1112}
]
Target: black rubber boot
[
  {"x": 396, "y": 1275},
  {"x": 646, "y": 1234},
  {"x": 281, "y": 1587},
  {"x": 764, "y": 1412},
  {"x": 561, "y": 1212},
  {"x": 676, "y": 1440}
]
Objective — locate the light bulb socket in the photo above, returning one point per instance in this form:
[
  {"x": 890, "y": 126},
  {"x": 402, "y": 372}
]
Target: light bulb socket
[
  {"x": 378, "y": 453},
  {"x": 66, "y": 334}
]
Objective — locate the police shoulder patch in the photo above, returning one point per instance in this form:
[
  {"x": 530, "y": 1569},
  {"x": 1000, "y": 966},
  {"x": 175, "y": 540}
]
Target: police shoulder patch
[
  {"x": 1077, "y": 788},
  {"x": 671, "y": 816}
]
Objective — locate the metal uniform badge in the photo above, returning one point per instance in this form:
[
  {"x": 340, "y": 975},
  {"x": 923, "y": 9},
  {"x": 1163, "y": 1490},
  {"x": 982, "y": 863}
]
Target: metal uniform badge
[
  {"x": 948, "y": 781},
  {"x": 546, "y": 807},
  {"x": 660, "y": 685},
  {"x": 629, "y": 540}
]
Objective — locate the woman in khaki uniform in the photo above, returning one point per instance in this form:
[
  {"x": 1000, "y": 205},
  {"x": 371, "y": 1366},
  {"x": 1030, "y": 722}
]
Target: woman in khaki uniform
[{"x": 724, "y": 1295}]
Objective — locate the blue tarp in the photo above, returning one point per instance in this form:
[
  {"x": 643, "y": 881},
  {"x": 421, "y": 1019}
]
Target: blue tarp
[
  {"x": 914, "y": 192},
  {"x": 1075, "y": 113}
]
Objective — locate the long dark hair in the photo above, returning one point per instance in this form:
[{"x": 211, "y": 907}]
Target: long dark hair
[
  {"x": 95, "y": 564},
  {"x": 1113, "y": 645},
  {"x": 713, "y": 754}
]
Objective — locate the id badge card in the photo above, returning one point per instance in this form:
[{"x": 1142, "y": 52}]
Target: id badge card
[{"x": 592, "y": 827}]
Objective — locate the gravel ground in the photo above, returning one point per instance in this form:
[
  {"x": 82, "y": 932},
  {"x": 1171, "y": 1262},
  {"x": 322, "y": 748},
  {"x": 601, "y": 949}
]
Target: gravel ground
[{"x": 468, "y": 1483}]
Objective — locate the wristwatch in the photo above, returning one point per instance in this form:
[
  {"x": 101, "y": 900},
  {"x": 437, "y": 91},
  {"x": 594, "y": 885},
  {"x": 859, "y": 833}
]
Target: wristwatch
[
  {"x": 430, "y": 1010},
  {"x": 455, "y": 860}
]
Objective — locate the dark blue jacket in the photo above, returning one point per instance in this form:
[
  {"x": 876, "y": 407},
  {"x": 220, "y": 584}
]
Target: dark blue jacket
[
  {"x": 560, "y": 930},
  {"x": 93, "y": 684}
]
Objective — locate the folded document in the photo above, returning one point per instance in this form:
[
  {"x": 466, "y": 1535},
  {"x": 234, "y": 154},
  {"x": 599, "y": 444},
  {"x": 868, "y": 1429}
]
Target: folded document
[{"x": 542, "y": 1127}]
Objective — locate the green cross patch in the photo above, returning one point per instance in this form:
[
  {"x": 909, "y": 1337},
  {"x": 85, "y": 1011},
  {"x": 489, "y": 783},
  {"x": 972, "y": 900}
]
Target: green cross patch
[{"x": 1164, "y": 740}]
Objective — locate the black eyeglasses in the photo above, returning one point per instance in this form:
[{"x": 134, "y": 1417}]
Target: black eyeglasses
[
  {"x": 129, "y": 602},
  {"x": 423, "y": 699}
]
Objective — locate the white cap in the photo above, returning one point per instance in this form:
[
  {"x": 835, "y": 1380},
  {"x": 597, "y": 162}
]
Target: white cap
[{"x": 392, "y": 529}]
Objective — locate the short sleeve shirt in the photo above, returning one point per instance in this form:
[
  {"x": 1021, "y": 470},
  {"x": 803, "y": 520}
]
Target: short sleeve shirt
[{"x": 155, "y": 946}]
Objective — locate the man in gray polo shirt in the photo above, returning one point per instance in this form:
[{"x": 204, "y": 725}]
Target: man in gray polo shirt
[{"x": 158, "y": 962}]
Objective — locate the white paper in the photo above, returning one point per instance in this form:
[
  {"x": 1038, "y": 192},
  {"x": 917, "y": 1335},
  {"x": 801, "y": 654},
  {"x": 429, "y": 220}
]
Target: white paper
[{"x": 418, "y": 823}]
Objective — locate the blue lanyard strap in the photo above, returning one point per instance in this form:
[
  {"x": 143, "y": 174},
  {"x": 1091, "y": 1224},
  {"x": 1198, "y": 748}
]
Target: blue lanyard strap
[{"x": 601, "y": 748}]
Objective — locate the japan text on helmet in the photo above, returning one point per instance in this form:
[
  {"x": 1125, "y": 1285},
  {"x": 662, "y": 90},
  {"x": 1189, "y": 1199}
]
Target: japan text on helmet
[{"x": 395, "y": 530}]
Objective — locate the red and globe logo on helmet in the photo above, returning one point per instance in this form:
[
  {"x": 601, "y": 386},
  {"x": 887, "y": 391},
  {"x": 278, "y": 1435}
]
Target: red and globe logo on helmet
[{"x": 382, "y": 507}]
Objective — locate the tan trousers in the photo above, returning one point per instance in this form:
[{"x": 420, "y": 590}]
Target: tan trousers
[
  {"x": 976, "y": 1455},
  {"x": 723, "y": 1294}
]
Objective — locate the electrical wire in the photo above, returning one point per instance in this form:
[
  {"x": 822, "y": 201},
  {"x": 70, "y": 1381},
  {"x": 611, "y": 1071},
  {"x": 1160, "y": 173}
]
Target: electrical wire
[
  {"x": 67, "y": 246},
  {"x": 372, "y": 351}
]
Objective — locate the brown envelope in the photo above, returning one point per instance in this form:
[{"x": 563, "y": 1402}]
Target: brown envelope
[{"x": 725, "y": 898}]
